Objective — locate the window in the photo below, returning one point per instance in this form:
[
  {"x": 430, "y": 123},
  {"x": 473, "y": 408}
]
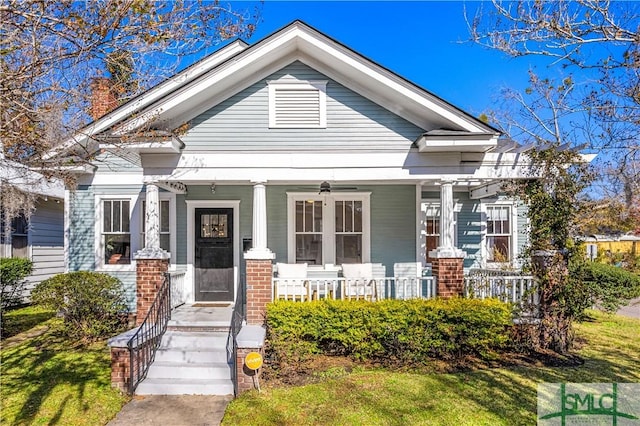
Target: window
[
  {"x": 165, "y": 227},
  {"x": 348, "y": 231},
  {"x": 432, "y": 228},
  {"x": 116, "y": 235},
  {"x": 499, "y": 233},
  {"x": 19, "y": 236},
  {"x": 328, "y": 228},
  {"x": 309, "y": 232},
  {"x": 297, "y": 104}
]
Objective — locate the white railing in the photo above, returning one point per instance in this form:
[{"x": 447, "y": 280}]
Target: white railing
[
  {"x": 518, "y": 289},
  {"x": 303, "y": 289},
  {"x": 178, "y": 296}
]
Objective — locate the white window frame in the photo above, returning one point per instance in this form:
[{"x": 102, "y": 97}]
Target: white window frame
[
  {"x": 134, "y": 229},
  {"x": 163, "y": 196},
  {"x": 319, "y": 85},
  {"x": 484, "y": 251},
  {"x": 328, "y": 223},
  {"x": 7, "y": 249}
]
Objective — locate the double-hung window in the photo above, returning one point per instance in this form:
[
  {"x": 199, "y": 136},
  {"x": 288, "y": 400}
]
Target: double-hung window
[
  {"x": 328, "y": 229},
  {"x": 499, "y": 233},
  {"x": 431, "y": 228},
  {"x": 115, "y": 233}
]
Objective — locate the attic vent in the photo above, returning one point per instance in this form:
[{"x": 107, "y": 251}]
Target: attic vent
[{"x": 297, "y": 104}]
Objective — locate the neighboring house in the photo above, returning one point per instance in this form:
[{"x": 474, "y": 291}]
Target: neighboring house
[
  {"x": 39, "y": 236},
  {"x": 611, "y": 245},
  {"x": 302, "y": 150}
]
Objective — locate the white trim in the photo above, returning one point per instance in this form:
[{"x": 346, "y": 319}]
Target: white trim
[
  {"x": 318, "y": 85},
  {"x": 328, "y": 222},
  {"x": 420, "y": 239},
  {"x": 192, "y": 205},
  {"x": 513, "y": 204},
  {"x": 67, "y": 228},
  {"x": 134, "y": 229}
]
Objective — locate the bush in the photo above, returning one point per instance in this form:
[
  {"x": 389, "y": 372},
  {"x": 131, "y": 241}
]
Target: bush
[
  {"x": 13, "y": 271},
  {"x": 91, "y": 304},
  {"x": 608, "y": 286},
  {"x": 389, "y": 331}
]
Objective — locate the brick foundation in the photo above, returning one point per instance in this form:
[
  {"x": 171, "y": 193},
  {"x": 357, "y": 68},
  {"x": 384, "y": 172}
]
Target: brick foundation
[
  {"x": 149, "y": 277},
  {"x": 259, "y": 276},
  {"x": 449, "y": 273},
  {"x": 245, "y": 376},
  {"x": 120, "y": 369}
]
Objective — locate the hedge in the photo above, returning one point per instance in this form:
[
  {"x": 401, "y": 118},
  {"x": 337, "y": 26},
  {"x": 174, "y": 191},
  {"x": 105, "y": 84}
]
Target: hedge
[
  {"x": 390, "y": 331},
  {"x": 610, "y": 287},
  {"x": 13, "y": 271}
]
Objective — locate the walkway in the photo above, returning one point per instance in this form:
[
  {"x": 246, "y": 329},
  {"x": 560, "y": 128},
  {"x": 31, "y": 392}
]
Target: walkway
[{"x": 180, "y": 410}]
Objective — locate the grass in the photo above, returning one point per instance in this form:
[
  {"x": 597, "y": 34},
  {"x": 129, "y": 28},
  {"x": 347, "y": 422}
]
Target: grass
[
  {"x": 45, "y": 379},
  {"x": 499, "y": 396}
]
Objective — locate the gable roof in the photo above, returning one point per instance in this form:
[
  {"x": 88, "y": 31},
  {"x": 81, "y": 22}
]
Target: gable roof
[{"x": 237, "y": 66}]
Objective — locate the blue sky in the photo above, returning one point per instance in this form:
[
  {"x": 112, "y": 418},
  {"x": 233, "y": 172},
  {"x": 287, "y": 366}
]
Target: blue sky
[{"x": 423, "y": 41}]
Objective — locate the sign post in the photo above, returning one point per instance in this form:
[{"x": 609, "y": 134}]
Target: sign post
[{"x": 253, "y": 361}]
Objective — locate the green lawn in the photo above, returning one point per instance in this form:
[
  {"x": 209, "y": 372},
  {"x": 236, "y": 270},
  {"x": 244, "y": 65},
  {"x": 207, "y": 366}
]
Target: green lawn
[
  {"x": 47, "y": 380},
  {"x": 507, "y": 396}
]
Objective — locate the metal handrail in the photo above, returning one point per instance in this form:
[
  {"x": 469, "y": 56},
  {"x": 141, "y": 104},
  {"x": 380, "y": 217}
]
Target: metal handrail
[
  {"x": 146, "y": 340},
  {"x": 238, "y": 318}
]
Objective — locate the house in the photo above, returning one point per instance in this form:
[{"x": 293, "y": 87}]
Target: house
[
  {"x": 40, "y": 235},
  {"x": 294, "y": 150}
]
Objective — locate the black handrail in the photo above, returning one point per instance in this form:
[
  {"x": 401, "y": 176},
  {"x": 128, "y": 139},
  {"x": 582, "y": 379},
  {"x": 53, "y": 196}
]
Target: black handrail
[
  {"x": 237, "y": 320},
  {"x": 145, "y": 342}
]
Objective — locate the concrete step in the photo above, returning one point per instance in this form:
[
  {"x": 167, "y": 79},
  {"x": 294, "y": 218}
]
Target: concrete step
[
  {"x": 194, "y": 340},
  {"x": 185, "y": 387},
  {"x": 191, "y": 356},
  {"x": 205, "y": 370}
]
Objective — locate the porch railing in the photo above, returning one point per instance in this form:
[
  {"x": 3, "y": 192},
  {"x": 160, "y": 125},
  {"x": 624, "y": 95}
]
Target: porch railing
[
  {"x": 178, "y": 296},
  {"x": 144, "y": 343},
  {"x": 302, "y": 289},
  {"x": 237, "y": 320},
  {"x": 518, "y": 289}
]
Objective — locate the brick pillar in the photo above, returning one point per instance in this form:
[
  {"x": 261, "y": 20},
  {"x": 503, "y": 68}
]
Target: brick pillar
[
  {"x": 149, "y": 277},
  {"x": 120, "y": 368},
  {"x": 449, "y": 273},
  {"x": 259, "y": 289},
  {"x": 246, "y": 378}
]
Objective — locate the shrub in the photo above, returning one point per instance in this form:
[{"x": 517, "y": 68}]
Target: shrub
[
  {"x": 91, "y": 304},
  {"x": 608, "y": 286},
  {"x": 393, "y": 331},
  {"x": 13, "y": 271}
]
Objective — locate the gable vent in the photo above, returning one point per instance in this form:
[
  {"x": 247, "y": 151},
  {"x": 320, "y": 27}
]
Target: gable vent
[{"x": 297, "y": 104}]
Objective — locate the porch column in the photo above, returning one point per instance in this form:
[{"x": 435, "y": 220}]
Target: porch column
[
  {"x": 448, "y": 264},
  {"x": 259, "y": 266},
  {"x": 152, "y": 261}
]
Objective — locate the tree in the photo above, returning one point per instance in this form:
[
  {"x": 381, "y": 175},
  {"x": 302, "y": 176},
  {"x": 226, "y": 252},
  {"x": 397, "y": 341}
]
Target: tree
[
  {"x": 599, "y": 38},
  {"x": 50, "y": 52}
]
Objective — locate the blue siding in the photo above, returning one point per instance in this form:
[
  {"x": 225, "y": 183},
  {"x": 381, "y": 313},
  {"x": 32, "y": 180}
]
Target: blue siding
[{"x": 353, "y": 122}]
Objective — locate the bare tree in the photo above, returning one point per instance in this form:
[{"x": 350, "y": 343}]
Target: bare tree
[
  {"x": 602, "y": 40},
  {"x": 51, "y": 51}
]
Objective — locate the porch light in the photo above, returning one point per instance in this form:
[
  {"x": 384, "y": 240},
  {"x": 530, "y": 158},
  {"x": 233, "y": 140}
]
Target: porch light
[
  {"x": 213, "y": 188},
  {"x": 325, "y": 188}
]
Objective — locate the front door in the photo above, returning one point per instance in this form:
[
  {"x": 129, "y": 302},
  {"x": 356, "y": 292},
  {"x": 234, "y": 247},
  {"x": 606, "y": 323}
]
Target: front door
[{"x": 214, "y": 255}]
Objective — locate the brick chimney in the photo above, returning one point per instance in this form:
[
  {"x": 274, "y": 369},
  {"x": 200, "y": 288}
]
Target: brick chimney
[{"x": 103, "y": 98}]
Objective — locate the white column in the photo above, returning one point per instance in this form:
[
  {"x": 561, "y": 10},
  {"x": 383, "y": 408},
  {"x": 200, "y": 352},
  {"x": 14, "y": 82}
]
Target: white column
[
  {"x": 259, "y": 249},
  {"x": 152, "y": 218},
  {"x": 447, "y": 248},
  {"x": 152, "y": 248}
]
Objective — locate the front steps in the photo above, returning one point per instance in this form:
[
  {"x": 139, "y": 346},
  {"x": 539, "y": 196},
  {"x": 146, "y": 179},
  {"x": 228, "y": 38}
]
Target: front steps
[{"x": 192, "y": 358}]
